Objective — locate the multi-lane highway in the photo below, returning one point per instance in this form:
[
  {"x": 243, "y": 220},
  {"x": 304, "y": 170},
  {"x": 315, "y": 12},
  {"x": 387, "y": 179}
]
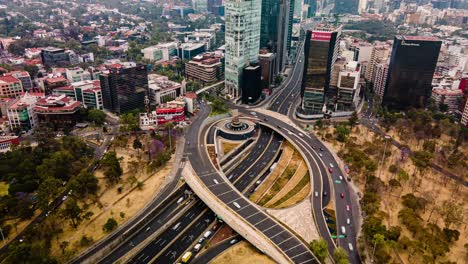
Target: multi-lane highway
[
  {"x": 170, "y": 244},
  {"x": 319, "y": 159},
  {"x": 296, "y": 250}
]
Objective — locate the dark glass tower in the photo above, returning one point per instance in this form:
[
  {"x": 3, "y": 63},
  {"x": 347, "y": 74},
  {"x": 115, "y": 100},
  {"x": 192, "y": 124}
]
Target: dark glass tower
[
  {"x": 252, "y": 84},
  {"x": 274, "y": 29},
  {"x": 320, "y": 51},
  {"x": 124, "y": 88},
  {"x": 412, "y": 65}
]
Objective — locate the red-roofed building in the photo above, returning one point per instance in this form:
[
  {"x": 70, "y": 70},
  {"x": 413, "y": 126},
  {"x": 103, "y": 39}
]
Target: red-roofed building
[
  {"x": 7, "y": 141},
  {"x": 59, "y": 110},
  {"x": 10, "y": 86},
  {"x": 24, "y": 77},
  {"x": 173, "y": 111},
  {"x": 20, "y": 112},
  {"x": 51, "y": 83}
]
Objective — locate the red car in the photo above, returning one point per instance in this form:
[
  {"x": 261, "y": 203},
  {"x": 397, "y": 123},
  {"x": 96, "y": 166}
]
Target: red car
[
  {"x": 330, "y": 170},
  {"x": 342, "y": 195}
]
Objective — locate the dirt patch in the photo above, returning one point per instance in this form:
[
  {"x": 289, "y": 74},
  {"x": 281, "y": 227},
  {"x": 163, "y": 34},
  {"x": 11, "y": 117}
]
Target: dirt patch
[
  {"x": 224, "y": 232},
  {"x": 242, "y": 252},
  {"x": 229, "y": 146}
]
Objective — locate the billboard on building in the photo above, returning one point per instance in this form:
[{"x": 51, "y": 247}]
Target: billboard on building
[{"x": 321, "y": 36}]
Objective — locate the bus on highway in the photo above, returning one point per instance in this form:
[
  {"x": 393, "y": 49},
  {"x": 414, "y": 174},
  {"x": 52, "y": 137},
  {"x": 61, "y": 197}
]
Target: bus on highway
[{"x": 186, "y": 257}]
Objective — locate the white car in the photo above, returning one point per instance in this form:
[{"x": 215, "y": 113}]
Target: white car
[
  {"x": 348, "y": 221},
  {"x": 320, "y": 154},
  {"x": 316, "y": 194},
  {"x": 341, "y": 178}
]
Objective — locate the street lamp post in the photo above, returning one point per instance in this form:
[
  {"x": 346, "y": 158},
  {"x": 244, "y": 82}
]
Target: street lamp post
[{"x": 383, "y": 156}]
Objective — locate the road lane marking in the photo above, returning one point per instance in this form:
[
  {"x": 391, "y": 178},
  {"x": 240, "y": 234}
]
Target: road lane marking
[
  {"x": 256, "y": 213},
  {"x": 282, "y": 231},
  {"x": 289, "y": 238},
  {"x": 298, "y": 245},
  {"x": 300, "y": 254}
]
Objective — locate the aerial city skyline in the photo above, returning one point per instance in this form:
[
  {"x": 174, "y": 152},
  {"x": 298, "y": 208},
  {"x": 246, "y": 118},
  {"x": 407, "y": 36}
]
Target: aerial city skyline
[{"x": 233, "y": 131}]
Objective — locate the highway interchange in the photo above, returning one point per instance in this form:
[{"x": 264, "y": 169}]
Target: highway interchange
[{"x": 193, "y": 218}]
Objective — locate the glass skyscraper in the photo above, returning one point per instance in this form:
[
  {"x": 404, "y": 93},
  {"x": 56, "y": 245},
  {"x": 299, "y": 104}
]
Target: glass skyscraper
[
  {"x": 242, "y": 40},
  {"x": 274, "y": 29},
  {"x": 411, "y": 69},
  {"x": 124, "y": 88},
  {"x": 321, "y": 51}
]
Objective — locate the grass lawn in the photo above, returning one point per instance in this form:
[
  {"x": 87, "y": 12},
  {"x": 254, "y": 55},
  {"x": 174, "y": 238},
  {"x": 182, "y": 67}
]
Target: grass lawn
[{"x": 3, "y": 188}]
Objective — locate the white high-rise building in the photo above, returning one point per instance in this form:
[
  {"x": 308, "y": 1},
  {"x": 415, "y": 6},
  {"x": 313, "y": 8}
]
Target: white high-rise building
[
  {"x": 362, "y": 6},
  {"x": 242, "y": 40}
]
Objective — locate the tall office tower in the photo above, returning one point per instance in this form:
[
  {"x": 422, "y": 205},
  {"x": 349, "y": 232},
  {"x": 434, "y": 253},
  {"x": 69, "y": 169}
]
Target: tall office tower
[
  {"x": 124, "y": 87},
  {"x": 274, "y": 30},
  {"x": 312, "y": 8},
  {"x": 412, "y": 65},
  {"x": 200, "y": 6},
  {"x": 346, "y": 6},
  {"x": 242, "y": 40},
  {"x": 290, "y": 25},
  {"x": 380, "y": 52},
  {"x": 321, "y": 51},
  {"x": 213, "y": 6},
  {"x": 362, "y": 6}
]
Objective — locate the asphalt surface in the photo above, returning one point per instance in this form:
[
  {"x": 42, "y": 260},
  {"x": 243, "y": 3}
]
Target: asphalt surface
[
  {"x": 169, "y": 246},
  {"x": 322, "y": 179},
  {"x": 215, "y": 250},
  {"x": 166, "y": 248},
  {"x": 294, "y": 248},
  {"x": 166, "y": 214}
]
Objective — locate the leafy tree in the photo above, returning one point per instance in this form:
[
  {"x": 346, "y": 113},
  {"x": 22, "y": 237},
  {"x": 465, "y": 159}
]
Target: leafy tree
[
  {"x": 111, "y": 166},
  {"x": 443, "y": 108},
  {"x": 84, "y": 184},
  {"x": 429, "y": 146},
  {"x": 452, "y": 213},
  {"x": 110, "y": 225},
  {"x": 353, "y": 120},
  {"x": 47, "y": 191},
  {"x": 33, "y": 70},
  {"x": 422, "y": 160},
  {"x": 414, "y": 202},
  {"x": 86, "y": 241},
  {"x": 72, "y": 212},
  {"x": 129, "y": 122},
  {"x": 320, "y": 249},
  {"x": 96, "y": 116},
  {"x": 137, "y": 144},
  {"x": 278, "y": 79},
  {"x": 342, "y": 133},
  {"x": 393, "y": 168},
  {"x": 319, "y": 124},
  {"x": 410, "y": 219},
  {"x": 340, "y": 256}
]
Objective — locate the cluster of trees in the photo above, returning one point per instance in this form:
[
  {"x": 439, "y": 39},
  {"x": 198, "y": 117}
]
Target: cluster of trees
[
  {"x": 378, "y": 30},
  {"x": 426, "y": 126},
  {"x": 36, "y": 177},
  {"x": 174, "y": 73},
  {"x": 320, "y": 249},
  {"x": 431, "y": 242}
]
